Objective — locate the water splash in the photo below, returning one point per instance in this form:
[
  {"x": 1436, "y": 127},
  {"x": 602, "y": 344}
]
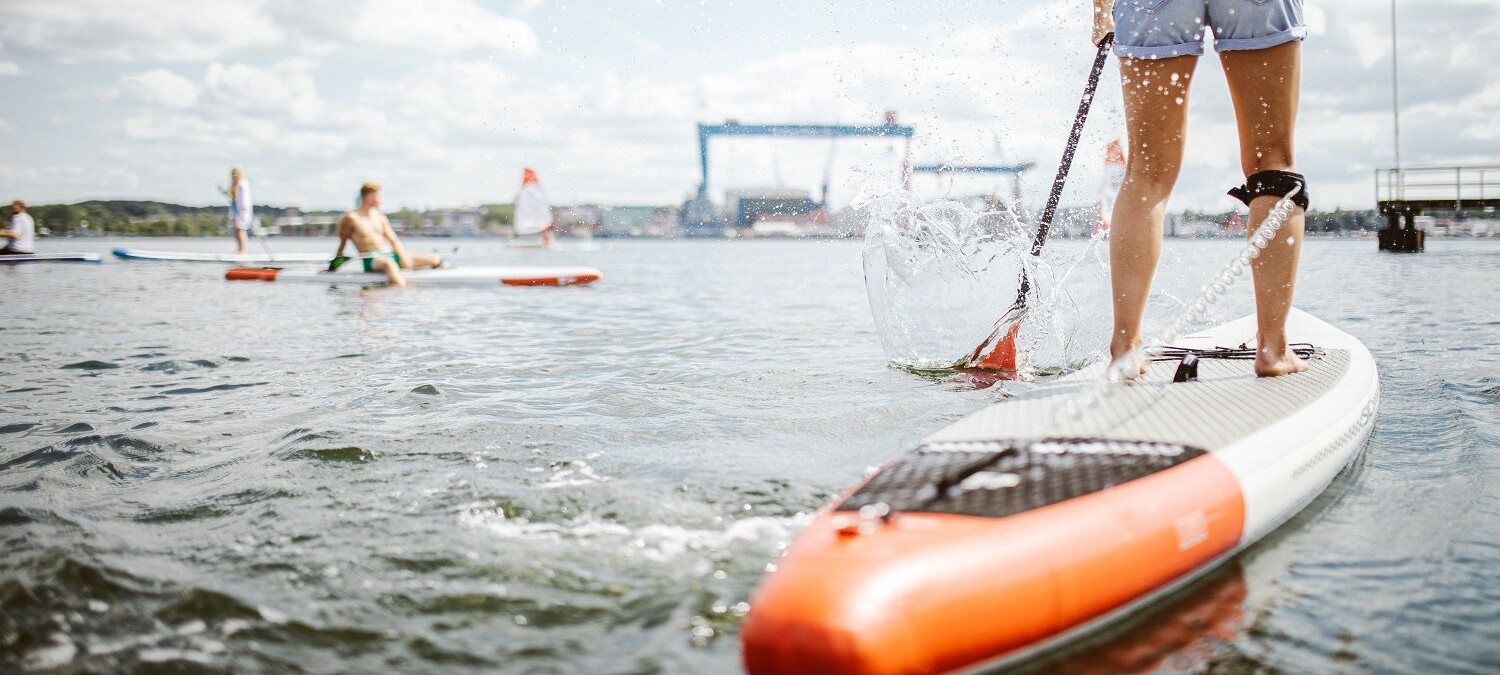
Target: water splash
[{"x": 940, "y": 276}]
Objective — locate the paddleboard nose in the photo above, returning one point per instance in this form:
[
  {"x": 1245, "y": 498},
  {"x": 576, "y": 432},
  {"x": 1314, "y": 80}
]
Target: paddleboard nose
[
  {"x": 251, "y": 274},
  {"x": 810, "y": 618}
]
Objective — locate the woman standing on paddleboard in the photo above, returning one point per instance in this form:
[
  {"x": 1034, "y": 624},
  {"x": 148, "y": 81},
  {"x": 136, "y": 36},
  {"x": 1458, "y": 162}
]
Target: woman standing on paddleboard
[
  {"x": 1159, "y": 42},
  {"x": 241, "y": 211}
]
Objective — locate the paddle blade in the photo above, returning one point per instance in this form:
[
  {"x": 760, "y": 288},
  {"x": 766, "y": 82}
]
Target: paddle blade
[
  {"x": 999, "y": 351},
  {"x": 1003, "y": 355}
]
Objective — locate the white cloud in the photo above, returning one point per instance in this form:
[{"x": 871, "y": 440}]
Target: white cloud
[
  {"x": 9, "y": 69},
  {"x": 245, "y": 110},
  {"x": 1371, "y": 41},
  {"x": 162, "y": 30},
  {"x": 442, "y": 27},
  {"x": 1316, "y": 20},
  {"x": 155, "y": 87},
  {"x": 5, "y": 126},
  {"x": 340, "y": 91},
  {"x": 286, "y": 89},
  {"x": 282, "y": 93},
  {"x": 142, "y": 30},
  {"x": 460, "y": 93},
  {"x": 85, "y": 181}
]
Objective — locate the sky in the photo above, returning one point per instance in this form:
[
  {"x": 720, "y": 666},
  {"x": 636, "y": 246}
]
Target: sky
[{"x": 445, "y": 101}]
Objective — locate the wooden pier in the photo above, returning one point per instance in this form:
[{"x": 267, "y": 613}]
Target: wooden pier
[{"x": 1404, "y": 193}]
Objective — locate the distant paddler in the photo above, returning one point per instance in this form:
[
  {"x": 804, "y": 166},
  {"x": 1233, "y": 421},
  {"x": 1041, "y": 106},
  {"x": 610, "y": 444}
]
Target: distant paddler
[
  {"x": 533, "y": 213},
  {"x": 241, "y": 211},
  {"x": 379, "y": 248},
  {"x": 22, "y": 233}
]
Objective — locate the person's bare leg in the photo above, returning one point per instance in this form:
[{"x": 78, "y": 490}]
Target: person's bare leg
[
  {"x": 1264, "y": 85},
  {"x": 1156, "y": 93},
  {"x": 392, "y": 271},
  {"x": 241, "y": 240},
  {"x": 423, "y": 260}
]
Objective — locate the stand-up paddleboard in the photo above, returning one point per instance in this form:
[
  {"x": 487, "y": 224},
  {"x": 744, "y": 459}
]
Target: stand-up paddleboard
[
  {"x": 459, "y": 276},
  {"x": 236, "y": 258},
  {"x": 1023, "y": 526},
  {"x": 18, "y": 258}
]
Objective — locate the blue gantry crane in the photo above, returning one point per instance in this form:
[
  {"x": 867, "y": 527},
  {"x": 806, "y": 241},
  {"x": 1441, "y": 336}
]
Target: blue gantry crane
[
  {"x": 1014, "y": 171},
  {"x": 700, "y": 217}
]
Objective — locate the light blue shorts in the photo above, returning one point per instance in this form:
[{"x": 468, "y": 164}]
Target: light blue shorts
[{"x": 1159, "y": 29}]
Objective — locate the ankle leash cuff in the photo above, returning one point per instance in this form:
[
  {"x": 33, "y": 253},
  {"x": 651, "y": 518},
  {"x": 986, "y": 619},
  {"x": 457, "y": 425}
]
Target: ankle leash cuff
[{"x": 1272, "y": 182}]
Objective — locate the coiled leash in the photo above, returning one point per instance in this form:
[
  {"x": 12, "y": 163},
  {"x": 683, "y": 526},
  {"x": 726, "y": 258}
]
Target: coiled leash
[{"x": 1188, "y": 369}]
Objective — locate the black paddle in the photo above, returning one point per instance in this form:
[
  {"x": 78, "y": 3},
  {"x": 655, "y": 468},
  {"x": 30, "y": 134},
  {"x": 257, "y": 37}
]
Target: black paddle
[{"x": 998, "y": 351}]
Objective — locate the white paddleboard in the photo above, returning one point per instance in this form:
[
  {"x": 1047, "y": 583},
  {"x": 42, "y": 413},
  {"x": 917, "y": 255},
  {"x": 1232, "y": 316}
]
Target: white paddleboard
[
  {"x": 19, "y": 258},
  {"x": 455, "y": 276},
  {"x": 1023, "y": 527},
  {"x": 236, "y": 258}
]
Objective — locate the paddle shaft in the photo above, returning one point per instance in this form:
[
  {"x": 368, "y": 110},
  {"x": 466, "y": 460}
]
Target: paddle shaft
[
  {"x": 1074, "y": 136},
  {"x": 998, "y": 351},
  {"x": 250, "y": 232}
]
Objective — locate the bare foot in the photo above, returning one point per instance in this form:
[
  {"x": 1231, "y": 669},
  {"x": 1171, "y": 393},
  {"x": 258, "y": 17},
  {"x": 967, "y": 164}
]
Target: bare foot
[
  {"x": 1271, "y": 362},
  {"x": 1123, "y": 346}
]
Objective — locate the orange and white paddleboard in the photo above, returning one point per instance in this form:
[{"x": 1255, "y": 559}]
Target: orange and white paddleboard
[
  {"x": 1044, "y": 517},
  {"x": 456, "y": 276}
]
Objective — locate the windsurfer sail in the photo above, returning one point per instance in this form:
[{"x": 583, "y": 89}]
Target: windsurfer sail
[{"x": 533, "y": 214}]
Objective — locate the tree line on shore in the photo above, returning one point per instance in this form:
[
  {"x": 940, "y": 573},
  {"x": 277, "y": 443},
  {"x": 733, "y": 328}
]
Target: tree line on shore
[
  {"x": 133, "y": 218},
  {"x": 161, "y": 219},
  {"x": 1328, "y": 222}
]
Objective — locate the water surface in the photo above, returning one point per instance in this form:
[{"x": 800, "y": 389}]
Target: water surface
[{"x": 248, "y": 477}]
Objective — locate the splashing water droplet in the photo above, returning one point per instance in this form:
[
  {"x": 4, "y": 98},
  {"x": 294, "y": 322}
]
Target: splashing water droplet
[{"x": 940, "y": 277}]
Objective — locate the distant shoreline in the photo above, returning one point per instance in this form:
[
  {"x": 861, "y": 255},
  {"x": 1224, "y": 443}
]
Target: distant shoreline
[{"x": 163, "y": 219}]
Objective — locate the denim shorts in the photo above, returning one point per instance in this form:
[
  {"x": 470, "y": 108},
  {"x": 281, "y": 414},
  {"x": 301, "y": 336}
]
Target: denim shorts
[{"x": 1159, "y": 29}]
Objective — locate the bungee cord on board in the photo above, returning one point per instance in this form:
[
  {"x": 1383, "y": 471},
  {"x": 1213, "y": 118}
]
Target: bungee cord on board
[{"x": 1123, "y": 370}]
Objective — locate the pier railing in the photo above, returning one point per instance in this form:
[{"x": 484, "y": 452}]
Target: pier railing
[{"x": 1438, "y": 188}]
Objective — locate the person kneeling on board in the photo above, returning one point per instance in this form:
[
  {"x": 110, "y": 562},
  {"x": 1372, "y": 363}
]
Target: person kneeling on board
[
  {"x": 22, "y": 231},
  {"x": 379, "y": 248}
]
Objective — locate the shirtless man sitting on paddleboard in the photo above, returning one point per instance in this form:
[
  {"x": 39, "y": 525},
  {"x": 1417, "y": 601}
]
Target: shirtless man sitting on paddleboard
[{"x": 379, "y": 248}]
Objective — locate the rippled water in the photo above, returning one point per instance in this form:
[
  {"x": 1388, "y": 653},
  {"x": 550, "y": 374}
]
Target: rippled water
[{"x": 268, "y": 477}]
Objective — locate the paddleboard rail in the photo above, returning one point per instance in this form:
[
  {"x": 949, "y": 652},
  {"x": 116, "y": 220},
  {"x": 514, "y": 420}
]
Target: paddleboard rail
[{"x": 18, "y": 258}]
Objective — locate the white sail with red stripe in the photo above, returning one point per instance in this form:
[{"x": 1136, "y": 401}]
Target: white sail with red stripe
[{"x": 533, "y": 214}]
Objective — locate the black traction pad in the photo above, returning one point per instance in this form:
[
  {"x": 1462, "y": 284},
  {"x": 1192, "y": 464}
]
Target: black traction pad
[{"x": 1003, "y": 478}]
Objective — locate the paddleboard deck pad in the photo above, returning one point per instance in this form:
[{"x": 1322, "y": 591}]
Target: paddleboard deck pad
[
  {"x": 456, "y": 276},
  {"x": 18, "y": 258},
  {"x": 235, "y": 258},
  {"x": 1044, "y": 517}
]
